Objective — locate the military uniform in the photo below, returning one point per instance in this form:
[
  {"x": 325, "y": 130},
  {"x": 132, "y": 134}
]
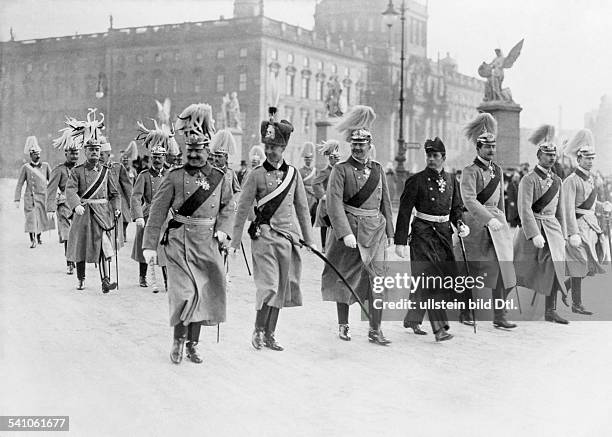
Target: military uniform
[
  {"x": 35, "y": 177},
  {"x": 124, "y": 186},
  {"x": 319, "y": 187},
  {"x": 437, "y": 200},
  {"x": 56, "y": 203}
]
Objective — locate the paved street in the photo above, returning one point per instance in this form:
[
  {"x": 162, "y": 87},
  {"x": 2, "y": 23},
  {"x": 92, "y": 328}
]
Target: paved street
[{"x": 103, "y": 360}]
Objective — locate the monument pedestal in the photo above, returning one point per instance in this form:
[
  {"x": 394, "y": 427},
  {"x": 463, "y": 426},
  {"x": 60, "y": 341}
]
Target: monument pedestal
[
  {"x": 240, "y": 153},
  {"x": 508, "y": 131}
]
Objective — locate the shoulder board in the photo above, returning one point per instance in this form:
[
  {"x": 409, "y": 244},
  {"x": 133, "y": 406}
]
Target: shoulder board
[
  {"x": 180, "y": 167},
  {"x": 80, "y": 165},
  {"x": 218, "y": 169}
]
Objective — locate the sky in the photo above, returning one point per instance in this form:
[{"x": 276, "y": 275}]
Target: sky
[{"x": 561, "y": 74}]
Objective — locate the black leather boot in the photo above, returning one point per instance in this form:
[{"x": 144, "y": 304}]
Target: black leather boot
[
  {"x": 442, "y": 335},
  {"x": 143, "y": 282},
  {"x": 502, "y": 323},
  {"x": 69, "y": 268},
  {"x": 81, "y": 284},
  {"x": 550, "y": 314},
  {"x": 271, "y": 343},
  {"x": 38, "y": 238},
  {"x": 178, "y": 347},
  {"x": 377, "y": 336},
  {"x": 416, "y": 328},
  {"x": 343, "y": 332},
  {"x": 465, "y": 317},
  {"x": 192, "y": 352},
  {"x": 107, "y": 285},
  {"x": 579, "y": 309},
  {"x": 257, "y": 339}
]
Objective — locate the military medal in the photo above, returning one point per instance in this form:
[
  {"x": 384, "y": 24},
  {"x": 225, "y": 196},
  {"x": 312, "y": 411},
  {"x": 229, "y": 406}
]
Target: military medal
[
  {"x": 202, "y": 182},
  {"x": 366, "y": 172},
  {"x": 279, "y": 178},
  {"x": 492, "y": 171},
  {"x": 549, "y": 180},
  {"x": 441, "y": 184}
]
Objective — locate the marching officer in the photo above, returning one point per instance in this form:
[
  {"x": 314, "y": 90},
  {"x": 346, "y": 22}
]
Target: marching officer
[
  {"x": 359, "y": 210},
  {"x": 94, "y": 199},
  {"x": 435, "y": 195},
  {"x": 56, "y": 197},
  {"x": 539, "y": 246},
  {"x": 146, "y": 186},
  {"x": 281, "y": 219},
  {"x": 587, "y": 250},
  {"x": 330, "y": 149},
  {"x": 35, "y": 175},
  {"x": 308, "y": 172},
  {"x": 200, "y": 201},
  {"x": 488, "y": 248},
  {"x": 223, "y": 144}
]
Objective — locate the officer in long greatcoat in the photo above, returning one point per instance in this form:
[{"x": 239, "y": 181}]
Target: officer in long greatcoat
[
  {"x": 488, "y": 248},
  {"x": 308, "y": 173},
  {"x": 201, "y": 205},
  {"x": 95, "y": 202},
  {"x": 539, "y": 246},
  {"x": 35, "y": 175},
  {"x": 56, "y": 197},
  {"x": 359, "y": 210},
  {"x": 587, "y": 249},
  {"x": 330, "y": 149},
  {"x": 146, "y": 186},
  {"x": 435, "y": 195},
  {"x": 281, "y": 219}
]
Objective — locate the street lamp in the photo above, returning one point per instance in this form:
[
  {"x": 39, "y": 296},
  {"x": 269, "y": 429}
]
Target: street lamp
[
  {"x": 100, "y": 89},
  {"x": 389, "y": 17}
]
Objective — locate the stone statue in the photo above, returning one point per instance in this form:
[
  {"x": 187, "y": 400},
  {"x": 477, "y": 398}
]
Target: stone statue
[
  {"x": 233, "y": 111},
  {"x": 494, "y": 73},
  {"x": 333, "y": 99},
  {"x": 224, "y": 122}
]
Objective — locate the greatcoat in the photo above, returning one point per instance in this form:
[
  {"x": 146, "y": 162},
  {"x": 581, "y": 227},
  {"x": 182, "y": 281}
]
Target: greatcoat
[{"x": 36, "y": 177}]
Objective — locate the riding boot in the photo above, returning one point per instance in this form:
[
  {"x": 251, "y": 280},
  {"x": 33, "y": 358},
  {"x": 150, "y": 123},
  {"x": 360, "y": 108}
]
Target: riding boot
[
  {"x": 577, "y": 306},
  {"x": 178, "y": 345},
  {"x": 269, "y": 340},
  {"x": 550, "y": 314}
]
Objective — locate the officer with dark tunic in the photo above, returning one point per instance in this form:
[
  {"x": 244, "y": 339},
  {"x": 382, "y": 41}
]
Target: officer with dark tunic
[
  {"x": 488, "y": 248},
  {"x": 331, "y": 150},
  {"x": 281, "y": 219},
  {"x": 145, "y": 188},
  {"x": 359, "y": 210},
  {"x": 434, "y": 194},
  {"x": 122, "y": 181},
  {"x": 35, "y": 175},
  {"x": 539, "y": 246},
  {"x": 587, "y": 251},
  {"x": 222, "y": 145},
  {"x": 95, "y": 201},
  {"x": 56, "y": 197},
  {"x": 200, "y": 201},
  {"x": 308, "y": 173}
]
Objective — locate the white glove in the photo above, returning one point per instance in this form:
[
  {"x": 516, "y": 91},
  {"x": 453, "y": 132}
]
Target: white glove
[
  {"x": 464, "y": 230},
  {"x": 140, "y": 222},
  {"x": 79, "y": 210},
  {"x": 221, "y": 236},
  {"x": 117, "y": 213},
  {"x": 401, "y": 250},
  {"x": 350, "y": 241},
  {"x": 494, "y": 224},
  {"x": 575, "y": 240},
  {"x": 607, "y": 206},
  {"x": 538, "y": 241},
  {"x": 17, "y": 204},
  {"x": 150, "y": 256},
  {"x": 50, "y": 216}
]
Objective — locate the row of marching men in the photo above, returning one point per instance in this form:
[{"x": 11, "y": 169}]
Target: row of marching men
[{"x": 195, "y": 215}]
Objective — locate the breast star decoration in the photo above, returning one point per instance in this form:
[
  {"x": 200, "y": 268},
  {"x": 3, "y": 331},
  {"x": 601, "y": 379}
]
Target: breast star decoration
[
  {"x": 441, "y": 184},
  {"x": 203, "y": 182}
]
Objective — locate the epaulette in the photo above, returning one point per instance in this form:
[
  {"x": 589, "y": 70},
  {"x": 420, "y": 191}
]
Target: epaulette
[
  {"x": 176, "y": 168},
  {"x": 218, "y": 169}
]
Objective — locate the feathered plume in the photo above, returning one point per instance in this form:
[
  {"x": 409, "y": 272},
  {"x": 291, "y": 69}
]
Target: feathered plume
[
  {"x": 372, "y": 152},
  {"x": 482, "y": 123},
  {"x": 359, "y": 117},
  {"x": 80, "y": 132},
  {"x": 131, "y": 151},
  {"x": 31, "y": 144},
  {"x": 308, "y": 150},
  {"x": 196, "y": 118},
  {"x": 152, "y": 137},
  {"x": 329, "y": 147},
  {"x": 582, "y": 139},
  {"x": 223, "y": 142},
  {"x": 163, "y": 111},
  {"x": 545, "y": 133},
  {"x": 257, "y": 151}
]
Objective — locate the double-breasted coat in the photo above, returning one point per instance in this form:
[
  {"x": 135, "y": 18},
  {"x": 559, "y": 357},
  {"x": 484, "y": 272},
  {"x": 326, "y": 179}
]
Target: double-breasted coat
[
  {"x": 56, "y": 198},
  {"x": 538, "y": 268},
  {"x": 277, "y": 264},
  {"x": 35, "y": 177},
  {"x": 319, "y": 186},
  {"x": 146, "y": 185},
  {"x": 91, "y": 232},
  {"x": 371, "y": 224},
  {"x": 196, "y": 276},
  {"x": 588, "y": 258},
  {"x": 488, "y": 252}
]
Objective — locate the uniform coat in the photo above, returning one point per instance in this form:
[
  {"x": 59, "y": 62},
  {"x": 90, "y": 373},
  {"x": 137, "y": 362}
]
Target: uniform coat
[
  {"x": 56, "y": 198},
  {"x": 319, "y": 186},
  {"x": 588, "y": 258},
  {"x": 538, "y": 268},
  {"x": 122, "y": 182},
  {"x": 36, "y": 178},
  {"x": 277, "y": 262},
  {"x": 361, "y": 264},
  {"x": 196, "y": 276},
  {"x": 488, "y": 252},
  {"x": 147, "y": 184},
  {"x": 87, "y": 230},
  {"x": 308, "y": 177}
]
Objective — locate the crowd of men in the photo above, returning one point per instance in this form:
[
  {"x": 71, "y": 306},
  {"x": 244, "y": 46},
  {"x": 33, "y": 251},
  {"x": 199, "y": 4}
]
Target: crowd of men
[{"x": 189, "y": 216}]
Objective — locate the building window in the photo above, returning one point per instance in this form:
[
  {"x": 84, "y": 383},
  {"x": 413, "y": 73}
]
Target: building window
[
  {"x": 306, "y": 61},
  {"x": 199, "y": 56},
  {"x": 345, "y": 25},
  {"x": 158, "y": 57},
  {"x": 242, "y": 82},
  {"x": 177, "y": 56},
  {"x": 290, "y": 84},
  {"x": 243, "y": 52},
  {"x": 290, "y": 58},
  {"x": 220, "y": 82},
  {"x": 370, "y": 24},
  {"x": 274, "y": 54},
  {"x": 29, "y": 68},
  {"x": 347, "y": 71},
  {"x": 155, "y": 85},
  {"x": 305, "y": 87},
  {"x": 289, "y": 113},
  {"x": 220, "y": 54},
  {"x": 139, "y": 59},
  {"x": 320, "y": 90},
  {"x": 320, "y": 65},
  {"x": 45, "y": 66},
  {"x": 174, "y": 85},
  {"x": 121, "y": 122},
  {"x": 332, "y": 26},
  {"x": 306, "y": 122},
  {"x": 334, "y": 68}
]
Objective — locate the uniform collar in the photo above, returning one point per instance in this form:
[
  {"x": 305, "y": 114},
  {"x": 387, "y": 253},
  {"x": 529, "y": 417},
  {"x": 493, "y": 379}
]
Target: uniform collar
[
  {"x": 194, "y": 170},
  {"x": 90, "y": 166},
  {"x": 156, "y": 172},
  {"x": 360, "y": 165},
  {"x": 269, "y": 167},
  {"x": 69, "y": 164},
  {"x": 542, "y": 172},
  {"x": 584, "y": 175},
  {"x": 36, "y": 165},
  {"x": 483, "y": 163},
  {"x": 434, "y": 173}
]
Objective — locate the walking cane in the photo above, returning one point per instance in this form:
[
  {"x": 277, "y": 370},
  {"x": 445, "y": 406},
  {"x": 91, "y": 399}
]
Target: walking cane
[
  {"x": 467, "y": 268},
  {"x": 116, "y": 255},
  {"x": 245, "y": 259}
]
